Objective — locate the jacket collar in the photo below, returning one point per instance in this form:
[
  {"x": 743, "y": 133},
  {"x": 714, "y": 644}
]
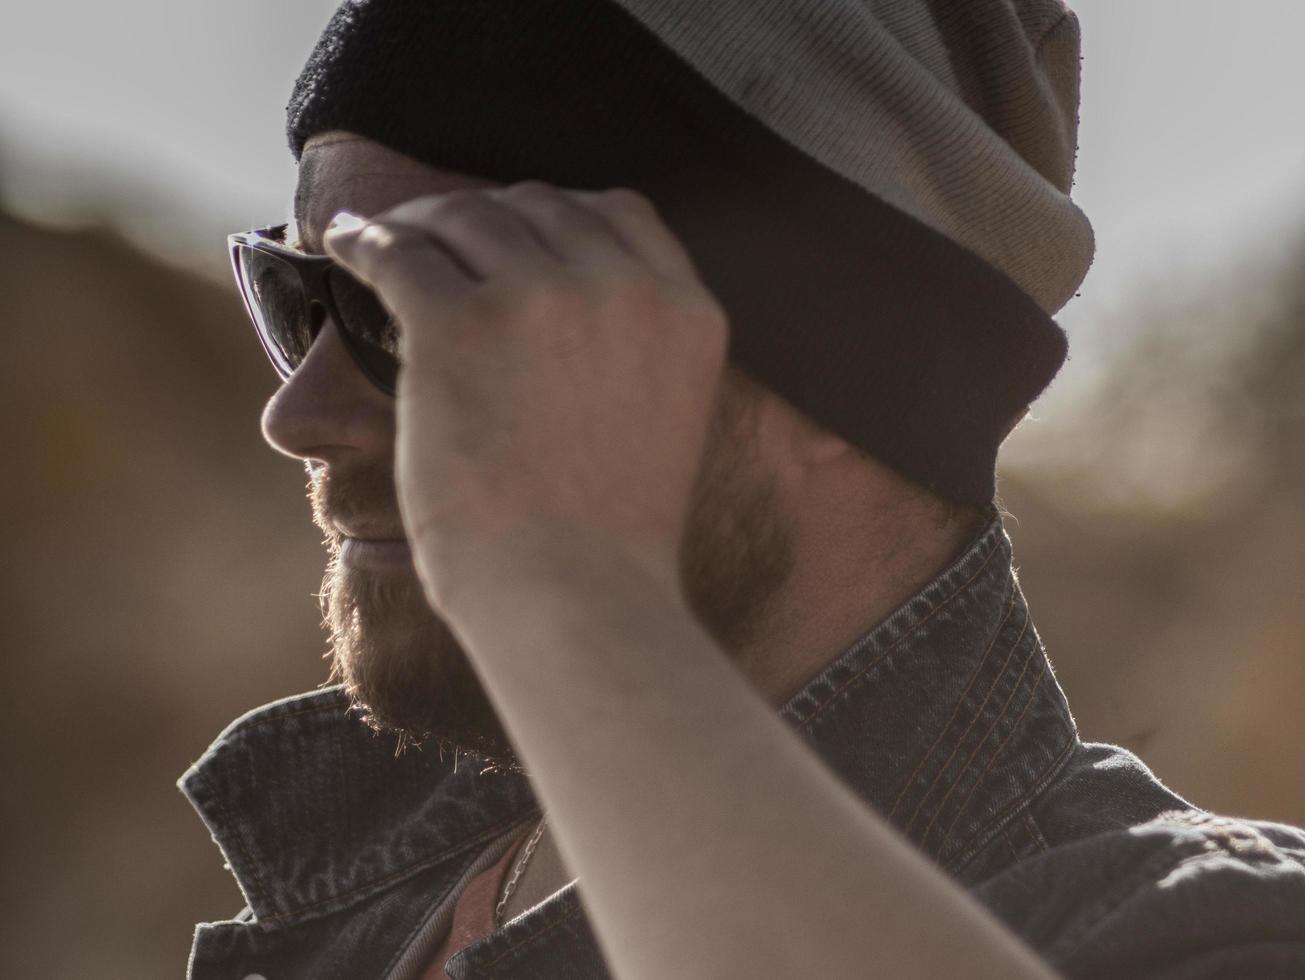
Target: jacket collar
[
  {"x": 946, "y": 717},
  {"x": 313, "y": 811}
]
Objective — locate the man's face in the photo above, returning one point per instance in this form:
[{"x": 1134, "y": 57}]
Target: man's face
[{"x": 397, "y": 658}]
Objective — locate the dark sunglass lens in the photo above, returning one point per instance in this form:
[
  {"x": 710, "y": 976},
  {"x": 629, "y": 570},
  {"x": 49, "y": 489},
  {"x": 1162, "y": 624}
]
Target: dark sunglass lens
[
  {"x": 363, "y": 316},
  {"x": 278, "y": 305},
  {"x": 368, "y": 328}
]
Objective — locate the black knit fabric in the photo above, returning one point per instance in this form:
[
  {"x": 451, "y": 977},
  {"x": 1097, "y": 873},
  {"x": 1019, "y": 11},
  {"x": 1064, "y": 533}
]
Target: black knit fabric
[{"x": 874, "y": 325}]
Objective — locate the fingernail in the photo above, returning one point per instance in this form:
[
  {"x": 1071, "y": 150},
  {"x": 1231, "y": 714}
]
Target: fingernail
[{"x": 344, "y": 222}]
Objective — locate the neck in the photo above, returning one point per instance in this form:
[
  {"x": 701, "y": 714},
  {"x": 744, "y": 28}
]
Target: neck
[
  {"x": 850, "y": 575},
  {"x": 864, "y": 548}
]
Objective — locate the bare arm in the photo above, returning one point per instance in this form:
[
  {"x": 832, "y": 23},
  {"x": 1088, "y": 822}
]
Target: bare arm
[
  {"x": 560, "y": 360},
  {"x": 708, "y": 839}
]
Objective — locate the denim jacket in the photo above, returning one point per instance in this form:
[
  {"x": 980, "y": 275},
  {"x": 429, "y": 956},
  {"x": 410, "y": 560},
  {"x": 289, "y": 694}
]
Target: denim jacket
[{"x": 946, "y": 718}]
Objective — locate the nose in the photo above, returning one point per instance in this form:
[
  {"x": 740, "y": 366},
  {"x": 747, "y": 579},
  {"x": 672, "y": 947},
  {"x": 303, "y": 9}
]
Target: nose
[{"x": 327, "y": 410}]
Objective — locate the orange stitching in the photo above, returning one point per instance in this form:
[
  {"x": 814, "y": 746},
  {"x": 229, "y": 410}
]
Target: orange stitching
[
  {"x": 1033, "y": 696},
  {"x": 1031, "y": 826},
  {"x": 960, "y": 740},
  {"x": 406, "y": 870},
  {"x": 238, "y": 837},
  {"x": 1037, "y": 782},
  {"x": 974, "y": 676},
  {"x": 991, "y": 728},
  {"x": 891, "y": 647}
]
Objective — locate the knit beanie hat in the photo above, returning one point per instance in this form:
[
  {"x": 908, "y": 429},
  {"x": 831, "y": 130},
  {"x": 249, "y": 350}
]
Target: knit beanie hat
[{"x": 877, "y": 191}]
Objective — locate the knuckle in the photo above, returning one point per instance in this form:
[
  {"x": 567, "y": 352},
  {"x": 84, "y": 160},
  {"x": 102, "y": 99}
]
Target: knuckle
[
  {"x": 560, "y": 296},
  {"x": 533, "y": 190},
  {"x": 384, "y": 238},
  {"x": 689, "y": 320},
  {"x": 627, "y": 199},
  {"x": 702, "y": 315},
  {"x": 541, "y": 198},
  {"x": 643, "y": 293},
  {"x": 713, "y": 319},
  {"x": 708, "y": 308},
  {"x": 539, "y": 298},
  {"x": 462, "y": 201},
  {"x": 375, "y": 236},
  {"x": 462, "y": 195}
]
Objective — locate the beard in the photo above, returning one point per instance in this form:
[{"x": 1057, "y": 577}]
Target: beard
[{"x": 404, "y": 670}]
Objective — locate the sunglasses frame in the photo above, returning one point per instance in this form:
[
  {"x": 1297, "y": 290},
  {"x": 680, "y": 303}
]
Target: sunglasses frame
[{"x": 313, "y": 271}]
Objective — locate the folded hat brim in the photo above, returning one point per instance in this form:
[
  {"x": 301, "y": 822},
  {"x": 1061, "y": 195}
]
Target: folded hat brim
[{"x": 874, "y": 325}]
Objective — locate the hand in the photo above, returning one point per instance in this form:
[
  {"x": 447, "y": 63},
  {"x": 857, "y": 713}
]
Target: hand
[{"x": 560, "y": 360}]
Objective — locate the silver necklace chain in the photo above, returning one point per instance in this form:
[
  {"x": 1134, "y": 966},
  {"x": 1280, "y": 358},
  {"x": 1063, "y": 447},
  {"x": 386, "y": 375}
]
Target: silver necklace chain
[{"x": 522, "y": 861}]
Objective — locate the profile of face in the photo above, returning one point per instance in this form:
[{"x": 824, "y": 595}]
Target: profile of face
[{"x": 404, "y": 668}]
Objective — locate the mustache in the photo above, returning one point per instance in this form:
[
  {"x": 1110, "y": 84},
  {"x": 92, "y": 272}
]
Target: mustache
[{"x": 363, "y": 494}]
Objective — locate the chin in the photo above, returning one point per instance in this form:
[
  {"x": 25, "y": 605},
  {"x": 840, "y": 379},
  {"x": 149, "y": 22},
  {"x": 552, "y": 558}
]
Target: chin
[{"x": 403, "y": 668}]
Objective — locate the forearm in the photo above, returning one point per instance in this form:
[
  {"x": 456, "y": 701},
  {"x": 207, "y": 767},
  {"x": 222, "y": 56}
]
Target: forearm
[{"x": 709, "y": 840}]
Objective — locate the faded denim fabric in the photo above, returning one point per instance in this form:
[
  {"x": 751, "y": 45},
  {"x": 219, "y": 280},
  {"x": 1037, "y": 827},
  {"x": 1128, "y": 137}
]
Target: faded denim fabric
[{"x": 946, "y": 718}]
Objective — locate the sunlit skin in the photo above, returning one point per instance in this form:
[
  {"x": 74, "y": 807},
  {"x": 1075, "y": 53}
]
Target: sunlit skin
[
  {"x": 548, "y": 501},
  {"x": 847, "y": 539}
]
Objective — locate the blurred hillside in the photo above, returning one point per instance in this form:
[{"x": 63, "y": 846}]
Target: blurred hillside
[
  {"x": 1162, "y": 541},
  {"x": 157, "y": 581},
  {"x": 160, "y": 565}
]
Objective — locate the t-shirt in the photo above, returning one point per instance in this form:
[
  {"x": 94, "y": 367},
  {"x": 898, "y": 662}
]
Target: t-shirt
[{"x": 473, "y": 915}]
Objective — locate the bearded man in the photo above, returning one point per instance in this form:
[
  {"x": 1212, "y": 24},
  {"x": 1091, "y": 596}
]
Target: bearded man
[{"x": 650, "y": 359}]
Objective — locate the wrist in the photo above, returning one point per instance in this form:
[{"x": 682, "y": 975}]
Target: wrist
[{"x": 542, "y": 556}]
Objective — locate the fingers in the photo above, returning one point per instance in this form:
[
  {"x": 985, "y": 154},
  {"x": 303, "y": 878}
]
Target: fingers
[
  {"x": 431, "y": 251},
  {"x": 636, "y": 221},
  {"x": 408, "y": 269},
  {"x": 578, "y": 235},
  {"x": 476, "y": 227}
]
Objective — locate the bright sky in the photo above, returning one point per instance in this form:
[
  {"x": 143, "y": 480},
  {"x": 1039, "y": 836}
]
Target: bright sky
[
  {"x": 1192, "y": 142},
  {"x": 1193, "y": 138}
]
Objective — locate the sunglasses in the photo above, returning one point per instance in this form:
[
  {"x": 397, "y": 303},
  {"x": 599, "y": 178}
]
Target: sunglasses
[{"x": 289, "y": 294}]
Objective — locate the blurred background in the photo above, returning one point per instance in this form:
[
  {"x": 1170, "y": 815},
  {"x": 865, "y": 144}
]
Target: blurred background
[{"x": 159, "y": 568}]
